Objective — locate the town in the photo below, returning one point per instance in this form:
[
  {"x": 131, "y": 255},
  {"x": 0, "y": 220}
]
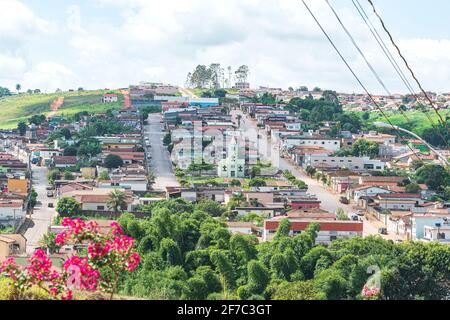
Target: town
[
  {"x": 247, "y": 157},
  {"x": 222, "y": 156}
]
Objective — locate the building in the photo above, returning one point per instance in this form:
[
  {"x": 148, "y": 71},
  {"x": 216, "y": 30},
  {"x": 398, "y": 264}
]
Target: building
[
  {"x": 438, "y": 232},
  {"x": 325, "y": 143},
  {"x": 64, "y": 161},
  {"x": 233, "y": 166},
  {"x": 11, "y": 244},
  {"x": 110, "y": 98},
  {"x": 398, "y": 201},
  {"x": 355, "y": 164},
  {"x": 329, "y": 230}
]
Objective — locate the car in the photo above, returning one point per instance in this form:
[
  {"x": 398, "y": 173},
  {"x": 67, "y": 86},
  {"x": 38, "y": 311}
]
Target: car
[
  {"x": 360, "y": 213},
  {"x": 50, "y": 205},
  {"x": 382, "y": 231},
  {"x": 344, "y": 200},
  {"x": 49, "y": 188},
  {"x": 50, "y": 194},
  {"x": 355, "y": 217}
]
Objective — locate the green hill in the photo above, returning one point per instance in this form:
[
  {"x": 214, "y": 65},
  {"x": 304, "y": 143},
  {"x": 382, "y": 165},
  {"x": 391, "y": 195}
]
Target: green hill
[{"x": 18, "y": 108}]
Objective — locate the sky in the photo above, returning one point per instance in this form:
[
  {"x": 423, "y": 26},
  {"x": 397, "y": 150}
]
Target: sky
[{"x": 66, "y": 44}]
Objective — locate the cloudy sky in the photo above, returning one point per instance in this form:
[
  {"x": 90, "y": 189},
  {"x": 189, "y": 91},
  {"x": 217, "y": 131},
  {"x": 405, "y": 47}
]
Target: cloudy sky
[{"x": 50, "y": 44}]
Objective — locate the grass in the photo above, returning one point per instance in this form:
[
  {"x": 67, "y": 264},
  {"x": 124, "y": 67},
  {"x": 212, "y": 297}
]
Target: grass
[
  {"x": 21, "y": 107},
  {"x": 418, "y": 119}
]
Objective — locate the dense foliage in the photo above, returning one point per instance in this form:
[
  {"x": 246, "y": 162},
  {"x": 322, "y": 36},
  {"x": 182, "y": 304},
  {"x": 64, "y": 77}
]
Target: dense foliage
[{"x": 188, "y": 254}]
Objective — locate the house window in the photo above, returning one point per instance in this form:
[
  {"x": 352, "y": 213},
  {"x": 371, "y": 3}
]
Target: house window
[{"x": 100, "y": 208}]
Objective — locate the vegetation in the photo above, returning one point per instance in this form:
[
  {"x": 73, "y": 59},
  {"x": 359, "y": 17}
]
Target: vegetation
[
  {"x": 188, "y": 254},
  {"x": 361, "y": 148},
  {"x": 113, "y": 161},
  {"x": 19, "y": 108},
  {"x": 68, "y": 206}
]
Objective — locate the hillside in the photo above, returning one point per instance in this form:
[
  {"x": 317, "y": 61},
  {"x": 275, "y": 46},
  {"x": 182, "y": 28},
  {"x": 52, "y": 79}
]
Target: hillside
[
  {"x": 21, "y": 107},
  {"x": 418, "y": 121}
]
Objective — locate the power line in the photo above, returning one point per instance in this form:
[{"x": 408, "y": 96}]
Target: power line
[
  {"x": 395, "y": 65},
  {"x": 356, "y": 77},
  {"x": 408, "y": 66},
  {"x": 364, "y": 56}
]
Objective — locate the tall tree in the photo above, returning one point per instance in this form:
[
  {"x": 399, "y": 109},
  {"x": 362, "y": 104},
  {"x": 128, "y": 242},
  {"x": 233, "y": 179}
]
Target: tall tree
[
  {"x": 18, "y": 87},
  {"x": 117, "y": 200}
]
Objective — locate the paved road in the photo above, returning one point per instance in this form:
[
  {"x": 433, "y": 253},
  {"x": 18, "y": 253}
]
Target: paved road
[
  {"x": 330, "y": 201},
  {"x": 43, "y": 215},
  {"x": 160, "y": 163}
]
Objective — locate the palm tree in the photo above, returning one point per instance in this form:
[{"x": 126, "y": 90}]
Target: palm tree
[
  {"x": 47, "y": 242},
  {"x": 117, "y": 200},
  {"x": 238, "y": 198},
  {"x": 151, "y": 177}
]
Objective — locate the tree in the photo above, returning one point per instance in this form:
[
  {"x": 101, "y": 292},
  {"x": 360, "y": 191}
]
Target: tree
[
  {"x": 117, "y": 200},
  {"x": 235, "y": 183},
  {"x": 257, "y": 182},
  {"x": 242, "y": 74},
  {"x": 68, "y": 206},
  {"x": 52, "y": 175},
  {"x": 255, "y": 171},
  {"x": 70, "y": 151},
  {"x": 299, "y": 290},
  {"x": 68, "y": 176},
  {"x": 413, "y": 188},
  {"x": 331, "y": 284},
  {"x": 224, "y": 266},
  {"x": 211, "y": 207},
  {"x": 104, "y": 175},
  {"x": 258, "y": 279},
  {"x": 18, "y": 87},
  {"x": 167, "y": 139},
  {"x": 340, "y": 215},
  {"x": 47, "y": 242},
  {"x": 367, "y": 148},
  {"x": 284, "y": 229},
  {"x": 434, "y": 176},
  {"x": 37, "y": 119},
  {"x": 4, "y": 92},
  {"x": 113, "y": 161},
  {"x": 22, "y": 127},
  {"x": 170, "y": 252}
]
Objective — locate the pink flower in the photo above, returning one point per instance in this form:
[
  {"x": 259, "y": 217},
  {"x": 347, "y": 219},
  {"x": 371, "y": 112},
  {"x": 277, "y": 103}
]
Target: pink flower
[{"x": 116, "y": 229}]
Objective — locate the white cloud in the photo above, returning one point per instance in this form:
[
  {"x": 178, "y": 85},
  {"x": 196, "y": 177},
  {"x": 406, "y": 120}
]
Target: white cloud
[
  {"x": 46, "y": 75},
  {"x": 11, "y": 67},
  {"x": 164, "y": 40},
  {"x": 17, "y": 21}
]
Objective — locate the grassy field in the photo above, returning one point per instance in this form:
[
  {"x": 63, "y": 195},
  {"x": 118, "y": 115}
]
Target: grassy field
[
  {"x": 419, "y": 121},
  {"x": 21, "y": 107}
]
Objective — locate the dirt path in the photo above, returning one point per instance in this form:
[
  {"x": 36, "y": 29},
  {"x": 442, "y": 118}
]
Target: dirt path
[
  {"x": 127, "y": 100},
  {"x": 55, "y": 106}
]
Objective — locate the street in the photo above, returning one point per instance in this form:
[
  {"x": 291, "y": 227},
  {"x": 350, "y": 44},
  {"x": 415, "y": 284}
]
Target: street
[
  {"x": 160, "y": 163},
  {"x": 42, "y": 215},
  {"x": 330, "y": 201}
]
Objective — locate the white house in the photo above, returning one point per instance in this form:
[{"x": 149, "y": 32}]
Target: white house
[
  {"x": 326, "y": 143},
  {"x": 356, "y": 164},
  {"x": 368, "y": 191},
  {"x": 11, "y": 210},
  {"x": 110, "y": 97}
]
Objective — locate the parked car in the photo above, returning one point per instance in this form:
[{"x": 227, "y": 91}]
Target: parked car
[
  {"x": 355, "y": 217},
  {"x": 50, "y": 194},
  {"x": 344, "y": 200},
  {"x": 50, "y": 205},
  {"x": 49, "y": 188},
  {"x": 382, "y": 231}
]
